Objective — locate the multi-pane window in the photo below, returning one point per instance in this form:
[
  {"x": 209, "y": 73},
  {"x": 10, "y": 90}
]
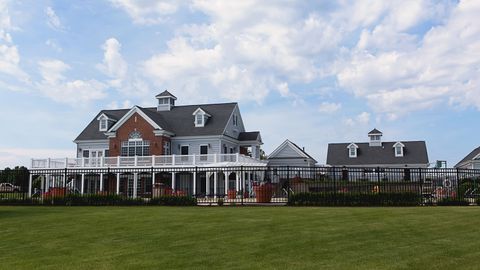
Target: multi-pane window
[
  {"x": 135, "y": 148},
  {"x": 166, "y": 148},
  {"x": 199, "y": 119}
]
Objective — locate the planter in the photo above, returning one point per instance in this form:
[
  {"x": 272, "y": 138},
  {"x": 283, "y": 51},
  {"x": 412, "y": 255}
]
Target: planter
[
  {"x": 232, "y": 194},
  {"x": 263, "y": 193}
]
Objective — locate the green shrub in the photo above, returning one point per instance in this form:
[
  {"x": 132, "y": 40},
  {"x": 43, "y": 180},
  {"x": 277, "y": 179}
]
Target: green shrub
[
  {"x": 452, "y": 202},
  {"x": 354, "y": 199},
  {"x": 174, "y": 201}
]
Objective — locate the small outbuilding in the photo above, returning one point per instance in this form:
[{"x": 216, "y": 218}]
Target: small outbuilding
[{"x": 290, "y": 154}]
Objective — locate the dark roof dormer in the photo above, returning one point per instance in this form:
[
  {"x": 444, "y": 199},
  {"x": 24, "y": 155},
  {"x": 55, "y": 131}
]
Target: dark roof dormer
[
  {"x": 200, "y": 117},
  {"x": 166, "y": 101},
  {"x": 375, "y": 137}
]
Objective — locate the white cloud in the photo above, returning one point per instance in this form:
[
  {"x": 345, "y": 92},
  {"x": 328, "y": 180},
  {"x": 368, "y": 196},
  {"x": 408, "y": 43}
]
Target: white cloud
[
  {"x": 74, "y": 92},
  {"x": 328, "y": 107},
  {"x": 147, "y": 12},
  {"x": 113, "y": 64},
  {"x": 52, "y": 19},
  {"x": 439, "y": 70}
]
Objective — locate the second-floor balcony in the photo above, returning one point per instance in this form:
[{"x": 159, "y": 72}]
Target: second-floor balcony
[{"x": 148, "y": 161}]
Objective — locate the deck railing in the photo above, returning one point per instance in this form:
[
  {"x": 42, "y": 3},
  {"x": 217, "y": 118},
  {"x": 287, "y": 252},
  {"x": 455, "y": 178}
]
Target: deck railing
[{"x": 142, "y": 161}]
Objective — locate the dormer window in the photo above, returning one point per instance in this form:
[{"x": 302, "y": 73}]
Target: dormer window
[
  {"x": 352, "y": 150},
  {"x": 201, "y": 117},
  {"x": 199, "y": 120},
  {"x": 398, "y": 147},
  {"x": 104, "y": 122}
]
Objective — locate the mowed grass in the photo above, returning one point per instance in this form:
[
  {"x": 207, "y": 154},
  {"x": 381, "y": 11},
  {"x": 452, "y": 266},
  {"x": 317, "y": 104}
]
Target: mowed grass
[{"x": 239, "y": 238}]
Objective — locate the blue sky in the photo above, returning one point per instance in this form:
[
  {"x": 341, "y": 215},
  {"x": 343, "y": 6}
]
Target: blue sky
[{"x": 312, "y": 73}]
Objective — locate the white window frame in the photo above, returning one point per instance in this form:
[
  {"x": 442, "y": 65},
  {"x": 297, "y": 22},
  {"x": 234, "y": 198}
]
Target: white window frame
[
  {"x": 353, "y": 147},
  {"x": 202, "y": 122},
  {"x": 397, "y": 146},
  {"x": 103, "y": 124}
]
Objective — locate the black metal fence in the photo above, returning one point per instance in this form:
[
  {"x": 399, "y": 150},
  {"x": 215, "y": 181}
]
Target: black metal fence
[{"x": 247, "y": 185}]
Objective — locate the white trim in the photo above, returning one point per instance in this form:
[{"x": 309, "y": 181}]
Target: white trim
[
  {"x": 395, "y": 146},
  {"x": 350, "y": 147},
  {"x": 201, "y": 111},
  {"x": 293, "y": 146},
  {"x": 129, "y": 114}
]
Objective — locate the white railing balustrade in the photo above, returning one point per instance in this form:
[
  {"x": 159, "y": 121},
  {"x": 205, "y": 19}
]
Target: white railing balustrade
[{"x": 144, "y": 161}]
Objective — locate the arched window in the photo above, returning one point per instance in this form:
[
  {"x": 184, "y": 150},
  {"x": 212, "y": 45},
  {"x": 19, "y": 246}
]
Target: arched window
[{"x": 135, "y": 146}]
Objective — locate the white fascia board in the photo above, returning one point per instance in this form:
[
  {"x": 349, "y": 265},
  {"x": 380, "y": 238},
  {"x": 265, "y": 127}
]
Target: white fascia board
[
  {"x": 201, "y": 111},
  {"x": 198, "y": 138},
  {"x": 163, "y": 133},
  {"x": 352, "y": 144},
  {"x": 92, "y": 141},
  {"x": 278, "y": 149},
  {"x": 129, "y": 114},
  {"x": 398, "y": 144}
]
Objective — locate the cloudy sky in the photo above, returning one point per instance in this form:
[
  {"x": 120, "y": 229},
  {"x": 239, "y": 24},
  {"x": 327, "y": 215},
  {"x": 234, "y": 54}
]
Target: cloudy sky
[{"x": 312, "y": 73}]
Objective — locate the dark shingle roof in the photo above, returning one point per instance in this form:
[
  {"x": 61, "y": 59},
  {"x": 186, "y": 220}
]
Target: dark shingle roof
[
  {"x": 178, "y": 120},
  {"x": 375, "y": 131},
  {"x": 165, "y": 94},
  {"x": 248, "y": 136},
  {"x": 469, "y": 157},
  {"x": 91, "y": 132},
  {"x": 415, "y": 152}
]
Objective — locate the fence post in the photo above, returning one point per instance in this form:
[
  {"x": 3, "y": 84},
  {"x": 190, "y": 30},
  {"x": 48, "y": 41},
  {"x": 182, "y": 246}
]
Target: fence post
[
  {"x": 242, "y": 180},
  {"x": 65, "y": 181}
]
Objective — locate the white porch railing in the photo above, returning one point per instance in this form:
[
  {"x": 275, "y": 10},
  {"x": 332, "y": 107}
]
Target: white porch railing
[{"x": 144, "y": 161}]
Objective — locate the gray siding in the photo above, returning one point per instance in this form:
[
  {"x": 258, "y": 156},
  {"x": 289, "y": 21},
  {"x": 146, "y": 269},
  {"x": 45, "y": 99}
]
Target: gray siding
[
  {"x": 100, "y": 145},
  {"x": 287, "y": 152},
  {"x": 194, "y": 145},
  {"x": 234, "y": 131},
  {"x": 229, "y": 145}
]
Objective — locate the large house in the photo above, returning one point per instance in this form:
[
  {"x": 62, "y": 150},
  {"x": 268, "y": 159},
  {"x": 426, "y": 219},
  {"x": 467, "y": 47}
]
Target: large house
[
  {"x": 168, "y": 130},
  {"x": 470, "y": 161},
  {"x": 166, "y": 145},
  {"x": 376, "y": 153}
]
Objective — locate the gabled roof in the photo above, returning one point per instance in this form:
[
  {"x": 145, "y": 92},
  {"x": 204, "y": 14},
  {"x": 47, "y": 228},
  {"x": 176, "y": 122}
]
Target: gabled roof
[
  {"x": 472, "y": 155},
  {"x": 165, "y": 94},
  {"x": 415, "y": 152},
  {"x": 374, "y": 132},
  {"x": 300, "y": 153},
  {"x": 178, "y": 120}
]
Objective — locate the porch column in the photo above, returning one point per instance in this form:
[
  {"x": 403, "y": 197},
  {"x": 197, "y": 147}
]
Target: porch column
[
  {"x": 101, "y": 182},
  {"x": 173, "y": 181},
  {"x": 82, "y": 188},
  {"x": 194, "y": 183},
  {"x": 43, "y": 187},
  {"x": 237, "y": 182},
  {"x": 226, "y": 180},
  {"x": 30, "y": 178},
  {"x": 135, "y": 181},
  {"x": 47, "y": 182},
  {"x": 118, "y": 184},
  {"x": 207, "y": 183},
  {"x": 215, "y": 178}
]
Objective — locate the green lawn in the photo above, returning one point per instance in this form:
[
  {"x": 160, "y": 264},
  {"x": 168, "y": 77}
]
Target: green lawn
[{"x": 239, "y": 238}]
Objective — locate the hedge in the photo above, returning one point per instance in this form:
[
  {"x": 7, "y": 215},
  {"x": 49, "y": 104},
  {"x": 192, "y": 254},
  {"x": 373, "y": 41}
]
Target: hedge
[
  {"x": 452, "y": 202},
  {"x": 354, "y": 199},
  {"x": 102, "y": 200}
]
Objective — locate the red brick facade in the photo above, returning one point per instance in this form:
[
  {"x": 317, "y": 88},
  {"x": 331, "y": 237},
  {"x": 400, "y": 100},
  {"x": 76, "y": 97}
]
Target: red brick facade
[{"x": 136, "y": 122}]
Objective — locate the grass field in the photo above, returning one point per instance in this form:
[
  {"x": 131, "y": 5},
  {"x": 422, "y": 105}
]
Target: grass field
[{"x": 239, "y": 238}]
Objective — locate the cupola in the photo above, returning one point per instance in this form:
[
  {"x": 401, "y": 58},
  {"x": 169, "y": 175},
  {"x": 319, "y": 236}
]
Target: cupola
[
  {"x": 375, "y": 137},
  {"x": 166, "y": 101}
]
